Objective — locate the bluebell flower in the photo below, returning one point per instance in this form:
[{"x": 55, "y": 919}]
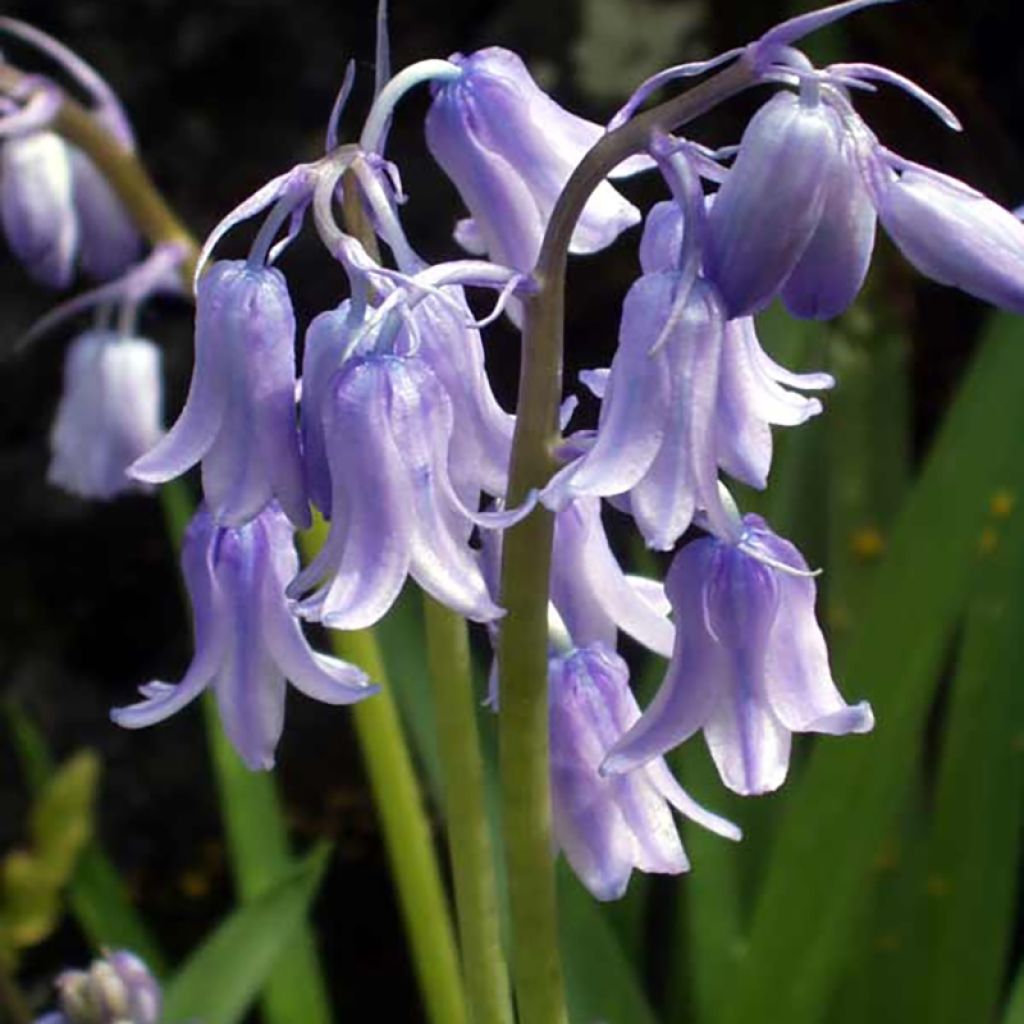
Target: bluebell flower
[
  {"x": 117, "y": 989},
  {"x": 750, "y": 665},
  {"x": 387, "y": 427},
  {"x": 247, "y": 641},
  {"x": 770, "y": 204},
  {"x": 110, "y": 412},
  {"x": 239, "y": 417},
  {"x": 439, "y": 329},
  {"x": 37, "y": 206},
  {"x": 510, "y": 149},
  {"x": 608, "y": 825},
  {"x": 688, "y": 393},
  {"x": 55, "y": 205}
]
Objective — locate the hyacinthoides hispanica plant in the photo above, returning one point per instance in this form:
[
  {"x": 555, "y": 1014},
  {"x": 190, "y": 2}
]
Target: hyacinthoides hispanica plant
[{"x": 395, "y": 439}]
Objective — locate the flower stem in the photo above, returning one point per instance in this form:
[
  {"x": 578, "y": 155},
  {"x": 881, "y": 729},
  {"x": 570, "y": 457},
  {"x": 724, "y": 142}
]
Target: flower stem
[
  {"x": 469, "y": 838},
  {"x": 410, "y": 847},
  {"x": 526, "y": 565}
]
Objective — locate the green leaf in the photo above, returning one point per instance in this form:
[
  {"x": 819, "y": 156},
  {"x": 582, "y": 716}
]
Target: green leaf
[
  {"x": 842, "y": 807},
  {"x": 61, "y": 820},
  {"x": 601, "y": 983},
  {"x": 221, "y": 980},
  {"x": 97, "y": 896},
  {"x": 973, "y": 875},
  {"x": 260, "y": 857}
]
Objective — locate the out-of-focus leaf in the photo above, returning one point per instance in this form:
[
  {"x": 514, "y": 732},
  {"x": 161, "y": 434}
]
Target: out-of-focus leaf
[
  {"x": 973, "y": 870},
  {"x": 223, "y": 977},
  {"x": 601, "y": 982},
  {"x": 32, "y": 880},
  {"x": 62, "y": 815},
  {"x": 888, "y": 945},
  {"x": 260, "y": 857},
  {"x": 96, "y": 893},
  {"x": 846, "y": 800},
  {"x": 868, "y": 427}
]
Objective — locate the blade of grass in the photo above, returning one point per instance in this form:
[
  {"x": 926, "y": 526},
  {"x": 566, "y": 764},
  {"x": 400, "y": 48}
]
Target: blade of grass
[
  {"x": 973, "y": 879},
  {"x": 221, "y": 979},
  {"x": 841, "y": 808},
  {"x": 260, "y": 856},
  {"x": 601, "y": 983}
]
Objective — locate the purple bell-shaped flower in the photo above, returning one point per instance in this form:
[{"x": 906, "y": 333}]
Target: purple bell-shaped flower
[
  {"x": 247, "y": 641},
  {"x": 510, "y": 149},
  {"x": 239, "y": 417},
  {"x": 608, "y": 825},
  {"x": 655, "y": 437},
  {"x": 36, "y": 205},
  {"x": 119, "y": 989},
  {"x": 750, "y": 666},
  {"x": 110, "y": 412},
  {"x": 770, "y": 205},
  {"x": 387, "y": 428}
]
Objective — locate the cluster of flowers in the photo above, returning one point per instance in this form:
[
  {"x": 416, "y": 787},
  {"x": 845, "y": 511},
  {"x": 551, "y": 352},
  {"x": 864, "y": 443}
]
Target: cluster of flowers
[
  {"x": 118, "y": 989},
  {"x": 391, "y": 431}
]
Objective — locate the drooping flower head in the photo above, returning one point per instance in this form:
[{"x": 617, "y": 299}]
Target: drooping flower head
[
  {"x": 239, "y": 417},
  {"x": 55, "y": 206},
  {"x": 118, "y": 989},
  {"x": 750, "y": 665},
  {"x": 110, "y": 413},
  {"x": 689, "y": 392},
  {"x": 387, "y": 428},
  {"x": 608, "y": 825},
  {"x": 247, "y": 641},
  {"x": 510, "y": 149}
]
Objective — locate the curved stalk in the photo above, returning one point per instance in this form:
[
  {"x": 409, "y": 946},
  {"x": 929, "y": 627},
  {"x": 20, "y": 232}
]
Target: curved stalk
[{"x": 526, "y": 565}]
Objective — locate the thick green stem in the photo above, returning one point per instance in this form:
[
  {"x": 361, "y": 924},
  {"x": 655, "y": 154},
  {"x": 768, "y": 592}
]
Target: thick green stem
[
  {"x": 410, "y": 846},
  {"x": 526, "y": 802},
  {"x": 469, "y": 838}
]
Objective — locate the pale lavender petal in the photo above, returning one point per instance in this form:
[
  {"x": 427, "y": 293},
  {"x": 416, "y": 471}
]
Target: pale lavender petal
[
  {"x": 249, "y": 686},
  {"x": 683, "y": 477},
  {"x": 36, "y": 206},
  {"x": 196, "y": 428},
  {"x": 591, "y": 592},
  {"x": 371, "y": 517},
  {"x": 109, "y": 242},
  {"x": 636, "y": 404},
  {"x": 798, "y": 678},
  {"x": 110, "y": 412},
  {"x": 750, "y": 746},
  {"x": 832, "y": 268},
  {"x": 955, "y": 238},
  {"x": 699, "y": 675},
  {"x": 441, "y": 559}
]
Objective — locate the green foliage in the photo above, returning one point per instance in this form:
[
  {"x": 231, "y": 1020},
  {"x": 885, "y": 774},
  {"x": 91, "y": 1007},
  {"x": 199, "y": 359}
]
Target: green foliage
[
  {"x": 222, "y": 979},
  {"x": 33, "y": 879}
]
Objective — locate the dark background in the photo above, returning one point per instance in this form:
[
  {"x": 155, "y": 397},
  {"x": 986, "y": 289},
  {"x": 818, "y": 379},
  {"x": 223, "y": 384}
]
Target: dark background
[{"x": 225, "y": 94}]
